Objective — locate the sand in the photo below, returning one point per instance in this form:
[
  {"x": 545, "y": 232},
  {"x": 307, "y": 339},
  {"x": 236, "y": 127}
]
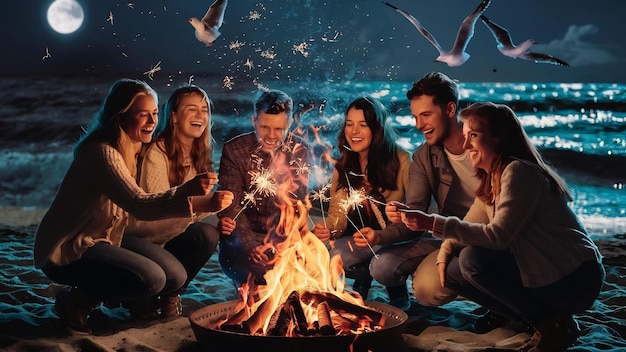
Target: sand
[{"x": 28, "y": 321}]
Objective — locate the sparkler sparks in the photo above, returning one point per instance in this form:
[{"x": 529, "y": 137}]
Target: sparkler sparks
[
  {"x": 268, "y": 54},
  {"x": 262, "y": 183},
  {"x": 302, "y": 168},
  {"x": 254, "y": 15},
  {"x": 153, "y": 70},
  {"x": 249, "y": 64},
  {"x": 228, "y": 82},
  {"x": 301, "y": 48},
  {"x": 236, "y": 45},
  {"x": 321, "y": 196}
]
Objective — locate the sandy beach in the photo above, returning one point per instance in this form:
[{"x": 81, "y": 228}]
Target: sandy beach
[{"x": 28, "y": 321}]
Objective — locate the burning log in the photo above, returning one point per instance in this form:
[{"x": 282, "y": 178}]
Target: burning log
[
  {"x": 291, "y": 312},
  {"x": 324, "y": 321},
  {"x": 337, "y": 304}
]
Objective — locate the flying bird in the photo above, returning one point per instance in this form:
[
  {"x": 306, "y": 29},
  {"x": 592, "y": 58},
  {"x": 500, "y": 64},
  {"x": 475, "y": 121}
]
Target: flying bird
[
  {"x": 207, "y": 30},
  {"x": 457, "y": 56},
  {"x": 507, "y": 48}
]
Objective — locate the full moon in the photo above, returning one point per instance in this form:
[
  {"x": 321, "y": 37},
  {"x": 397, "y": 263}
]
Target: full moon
[{"x": 65, "y": 16}]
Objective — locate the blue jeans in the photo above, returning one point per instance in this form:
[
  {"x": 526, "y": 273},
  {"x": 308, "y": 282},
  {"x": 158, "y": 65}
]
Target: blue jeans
[
  {"x": 395, "y": 262},
  {"x": 139, "y": 268},
  {"x": 492, "y": 279}
]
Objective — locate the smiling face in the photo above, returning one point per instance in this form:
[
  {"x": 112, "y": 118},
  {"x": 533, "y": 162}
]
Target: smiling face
[
  {"x": 141, "y": 119},
  {"x": 480, "y": 143},
  {"x": 191, "y": 116},
  {"x": 433, "y": 121},
  {"x": 271, "y": 129},
  {"x": 357, "y": 132}
]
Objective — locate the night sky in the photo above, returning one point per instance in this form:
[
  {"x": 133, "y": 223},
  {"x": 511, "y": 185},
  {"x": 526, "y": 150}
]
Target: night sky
[{"x": 316, "y": 40}]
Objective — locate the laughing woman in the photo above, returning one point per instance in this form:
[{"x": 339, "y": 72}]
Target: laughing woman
[
  {"x": 78, "y": 240},
  {"x": 181, "y": 150},
  {"x": 533, "y": 262}
]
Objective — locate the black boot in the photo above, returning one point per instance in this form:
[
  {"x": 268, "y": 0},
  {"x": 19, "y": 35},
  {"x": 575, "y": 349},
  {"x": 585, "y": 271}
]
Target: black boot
[
  {"x": 399, "y": 296},
  {"x": 556, "y": 333},
  {"x": 488, "y": 322},
  {"x": 73, "y": 307}
]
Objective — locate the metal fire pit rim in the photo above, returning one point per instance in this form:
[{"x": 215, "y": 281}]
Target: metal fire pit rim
[{"x": 398, "y": 318}]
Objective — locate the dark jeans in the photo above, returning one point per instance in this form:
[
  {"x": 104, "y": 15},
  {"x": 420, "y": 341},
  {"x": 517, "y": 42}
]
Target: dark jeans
[
  {"x": 138, "y": 268},
  {"x": 492, "y": 279}
]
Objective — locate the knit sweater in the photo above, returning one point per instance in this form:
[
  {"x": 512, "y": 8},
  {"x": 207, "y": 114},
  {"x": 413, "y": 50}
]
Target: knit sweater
[
  {"x": 528, "y": 219},
  {"x": 154, "y": 178},
  {"x": 92, "y": 205},
  {"x": 337, "y": 220}
]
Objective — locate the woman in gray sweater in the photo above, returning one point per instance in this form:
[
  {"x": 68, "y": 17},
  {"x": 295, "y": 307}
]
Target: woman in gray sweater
[{"x": 532, "y": 261}]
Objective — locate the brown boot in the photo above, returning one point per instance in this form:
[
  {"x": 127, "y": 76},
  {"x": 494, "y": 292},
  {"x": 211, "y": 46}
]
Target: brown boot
[
  {"x": 556, "y": 333},
  {"x": 73, "y": 307},
  {"x": 171, "y": 305}
]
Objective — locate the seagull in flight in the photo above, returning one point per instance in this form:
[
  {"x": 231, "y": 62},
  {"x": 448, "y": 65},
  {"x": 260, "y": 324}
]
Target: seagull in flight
[
  {"x": 207, "y": 30},
  {"x": 457, "y": 56},
  {"x": 507, "y": 48}
]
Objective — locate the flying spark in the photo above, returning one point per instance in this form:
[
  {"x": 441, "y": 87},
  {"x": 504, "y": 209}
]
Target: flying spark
[
  {"x": 156, "y": 68},
  {"x": 249, "y": 64},
  {"x": 110, "y": 19},
  {"x": 228, "y": 82},
  {"x": 47, "y": 56}
]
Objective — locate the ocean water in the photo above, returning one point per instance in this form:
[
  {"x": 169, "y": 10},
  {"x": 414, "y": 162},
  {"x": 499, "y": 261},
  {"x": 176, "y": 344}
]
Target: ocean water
[{"x": 579, "y": 128}]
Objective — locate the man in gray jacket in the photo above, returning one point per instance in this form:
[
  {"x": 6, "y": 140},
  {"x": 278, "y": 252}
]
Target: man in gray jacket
[{"x": 441, "y": 171}]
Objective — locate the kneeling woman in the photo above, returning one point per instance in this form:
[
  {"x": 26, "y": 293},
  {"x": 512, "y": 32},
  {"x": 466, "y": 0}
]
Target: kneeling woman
[{"x": 533, "y": 261}]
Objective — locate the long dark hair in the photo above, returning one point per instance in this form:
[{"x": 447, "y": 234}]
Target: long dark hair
[
  {"x": 502, "y": 123},
  {"x": 383, "y": 163},
  {"x": 167, "y": 130}
]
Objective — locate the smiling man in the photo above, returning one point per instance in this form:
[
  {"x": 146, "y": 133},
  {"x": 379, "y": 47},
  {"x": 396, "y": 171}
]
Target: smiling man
[
  {"x": 442, "y": 171},
  {"x": 253, "y": 165}
]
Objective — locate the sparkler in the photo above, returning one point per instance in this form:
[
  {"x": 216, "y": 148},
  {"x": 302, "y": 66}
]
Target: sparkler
[
  {"x": 355, "y": 200},
  {"x": 263, "y": 183},
  {"x": 362, "y": 235},
  {"x": 321, "y": 196}
]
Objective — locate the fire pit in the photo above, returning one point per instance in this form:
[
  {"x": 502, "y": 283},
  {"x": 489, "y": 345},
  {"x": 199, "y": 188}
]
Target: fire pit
[{"x": 389, "y": 338}]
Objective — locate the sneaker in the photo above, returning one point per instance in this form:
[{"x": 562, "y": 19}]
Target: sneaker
[
  {"x": 73, "y": 309},
  {"x": 556, "y": 332},
  {"x": 488, "y": 322},
  {"x": 399, "y": 297}
]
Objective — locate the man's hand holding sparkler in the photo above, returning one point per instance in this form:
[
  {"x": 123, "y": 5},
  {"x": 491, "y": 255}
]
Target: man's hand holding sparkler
[
  {"x": 366, "y": 237},
  {"x": 226, "y": 226},
  {"x": 392, "y": 210}
]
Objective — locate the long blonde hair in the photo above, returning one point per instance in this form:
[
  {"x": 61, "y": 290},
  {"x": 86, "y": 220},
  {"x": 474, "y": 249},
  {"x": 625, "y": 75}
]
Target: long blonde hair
[{"x": 107, "y": 121}]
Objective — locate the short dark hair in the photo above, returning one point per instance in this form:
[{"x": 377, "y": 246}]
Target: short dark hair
[
  {"x": 441, "y": 87},
  {"x": 274, "y": 102}
]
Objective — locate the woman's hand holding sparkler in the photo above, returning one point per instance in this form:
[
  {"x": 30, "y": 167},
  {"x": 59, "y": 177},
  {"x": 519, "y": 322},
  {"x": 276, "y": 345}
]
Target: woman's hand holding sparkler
[
  {"x": 202, "y": 184},
  {"x": 226, "y": 226},
  {"x": 212, "y": 203},
  {"x": 366, "y": 237},
  {"x": 321, "y": 231},
  {"x": 417, "y": 220}
]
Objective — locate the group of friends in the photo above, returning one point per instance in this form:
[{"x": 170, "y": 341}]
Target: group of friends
[{"x": 474, "y": 211}]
